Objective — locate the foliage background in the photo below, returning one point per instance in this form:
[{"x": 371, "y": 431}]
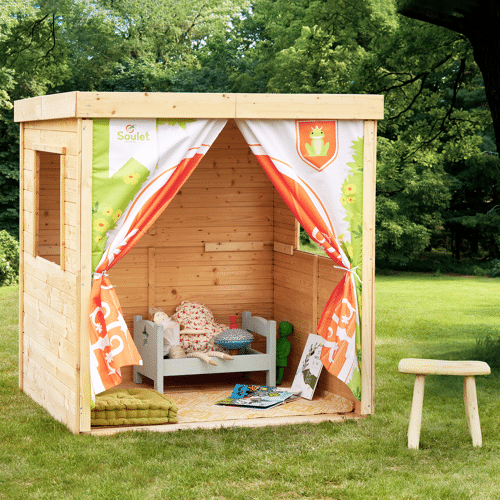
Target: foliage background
[
  {"x": 9, "y": 259},
  {"x": 438, "y": 171}
]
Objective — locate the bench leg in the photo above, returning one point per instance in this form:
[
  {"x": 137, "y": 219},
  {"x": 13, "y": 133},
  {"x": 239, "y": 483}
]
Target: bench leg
[
  {"x": 470, "y": 400},
  {"x": 416, "y": 412},
  {"x": 271, "y": 376},
  {"x": 137, "y": 376},
  {"x": 158, "y": 384}
]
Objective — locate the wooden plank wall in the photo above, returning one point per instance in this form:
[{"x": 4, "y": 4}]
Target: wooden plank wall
[
  {"x": 61, "y": 133},
  {"x": 228, "y": 202},
  {"x": 48, "y": 329},
  {"x": 303, "y": 282}
]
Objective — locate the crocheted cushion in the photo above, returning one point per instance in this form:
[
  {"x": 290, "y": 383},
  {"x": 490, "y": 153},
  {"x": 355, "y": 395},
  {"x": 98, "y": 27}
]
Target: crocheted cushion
[
  {"x": 119, "y": 407},
  {"x": 234, "y": 338}
]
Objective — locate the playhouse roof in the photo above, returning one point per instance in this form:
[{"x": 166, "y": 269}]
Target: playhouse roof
[{"x": 199, "y": 105}]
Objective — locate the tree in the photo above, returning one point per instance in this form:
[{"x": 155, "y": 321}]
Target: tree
[
  {"x": 432, "y": 142},
  {"x": 438, "y": 120},
  {"x": 479, "y": 21},
  {"x": 474, "y": 218},
  {"x": 65, "y": 45},
  {"x": 31, "y": 63},
  {"x": 426, "y": 74},
  {"x": 124, "y": 45}
]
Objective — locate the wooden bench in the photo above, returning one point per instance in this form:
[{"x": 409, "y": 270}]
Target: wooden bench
[{"x": 422, "y": 367}]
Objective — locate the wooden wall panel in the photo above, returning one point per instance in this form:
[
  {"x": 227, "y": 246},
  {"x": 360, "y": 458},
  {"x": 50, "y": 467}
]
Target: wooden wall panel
[
  {"x": 49, "y": 339},
  {"x": 48, "y": 391},
  {"x": 227, "y": 199},
  {"x": 286, "y": 227},
  {"x": 303, "y": 283},
  {"x": 51, "y": 296},
  {"x": 249, "y": 197},
  {"x": 170, "y": 238},
  {"x": 294, "y": 301},
  {"x": 46, "y": 316},
  {"x": 328, "y": 274},
  {"x": 51, "y": 342},
  {"x": 62, "y": 125},
  {"x": 34, "y": 137},
  {"x": 48, "y": 349},
  {"x": 51, "y": 274},
  {"x": 48, "y": 236}
]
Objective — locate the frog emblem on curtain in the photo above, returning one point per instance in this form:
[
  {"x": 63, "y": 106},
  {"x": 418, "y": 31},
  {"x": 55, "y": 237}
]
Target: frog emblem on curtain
[{"x": 317, "y": 142}]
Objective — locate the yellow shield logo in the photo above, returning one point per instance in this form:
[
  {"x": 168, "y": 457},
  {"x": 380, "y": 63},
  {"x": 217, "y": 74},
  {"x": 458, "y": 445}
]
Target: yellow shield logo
[{"x": 317, "y": 142}]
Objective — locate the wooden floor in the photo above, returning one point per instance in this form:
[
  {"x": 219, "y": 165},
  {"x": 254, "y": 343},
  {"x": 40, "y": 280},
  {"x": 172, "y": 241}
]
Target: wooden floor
[{"x": 195, "y": 398}]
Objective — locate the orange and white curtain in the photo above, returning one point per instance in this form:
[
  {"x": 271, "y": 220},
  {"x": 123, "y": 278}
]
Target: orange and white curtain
[
  {"x": 316, "y": 166},
  {"x": 138, "y": 167}
]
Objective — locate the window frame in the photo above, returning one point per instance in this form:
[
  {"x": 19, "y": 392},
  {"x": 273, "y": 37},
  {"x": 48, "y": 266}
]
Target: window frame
[{"x": 61, "y": 152}]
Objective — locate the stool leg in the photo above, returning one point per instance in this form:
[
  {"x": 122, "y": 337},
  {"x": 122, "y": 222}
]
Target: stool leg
[
  {"x": 470, "y": 400},
  {"x": 416, "y": 412}
]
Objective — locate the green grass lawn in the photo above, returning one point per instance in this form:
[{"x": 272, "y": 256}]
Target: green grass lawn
[{"x": 416, "y": 316}]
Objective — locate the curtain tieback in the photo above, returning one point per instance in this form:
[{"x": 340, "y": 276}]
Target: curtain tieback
[
  {"x": 352, "y": 271},
  {"x": 100, "y": 275}
]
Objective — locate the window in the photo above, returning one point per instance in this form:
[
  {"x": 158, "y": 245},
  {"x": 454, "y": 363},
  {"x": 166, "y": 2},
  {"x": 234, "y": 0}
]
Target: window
[
  {"x": 49, "y": 209},
  {"x": 306, "y": 244}
]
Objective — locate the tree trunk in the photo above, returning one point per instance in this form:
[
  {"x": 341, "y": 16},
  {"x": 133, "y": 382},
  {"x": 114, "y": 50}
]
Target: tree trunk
[
  {"x": 479, "y": 21},
  {"x": 482, "y": 28},
  {"x": 456, "y": 235}
]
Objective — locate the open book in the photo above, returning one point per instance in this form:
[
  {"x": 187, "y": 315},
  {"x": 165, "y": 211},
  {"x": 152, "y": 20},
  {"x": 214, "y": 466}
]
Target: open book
[
  {"x": 310, "y": 366},
  {"x": 255, "y": 397}
]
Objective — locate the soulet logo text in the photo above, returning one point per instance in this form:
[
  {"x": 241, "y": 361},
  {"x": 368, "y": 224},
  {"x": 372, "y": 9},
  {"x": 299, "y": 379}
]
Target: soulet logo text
[{"x": 129, "y": 135}]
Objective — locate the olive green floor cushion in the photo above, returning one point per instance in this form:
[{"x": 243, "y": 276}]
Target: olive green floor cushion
[{"x": 133, "y": 407}]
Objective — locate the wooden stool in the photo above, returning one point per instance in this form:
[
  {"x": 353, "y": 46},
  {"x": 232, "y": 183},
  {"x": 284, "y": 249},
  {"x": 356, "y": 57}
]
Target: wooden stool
[{"x": 423, "y": 367}]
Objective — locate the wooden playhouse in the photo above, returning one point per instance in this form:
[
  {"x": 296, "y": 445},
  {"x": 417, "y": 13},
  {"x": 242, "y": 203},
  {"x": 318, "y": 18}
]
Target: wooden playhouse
[{"x": 227, "y": 239}]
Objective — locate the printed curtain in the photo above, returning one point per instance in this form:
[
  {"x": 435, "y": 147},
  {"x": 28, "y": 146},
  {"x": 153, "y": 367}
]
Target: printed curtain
[
  {"x": 316, "y": 166},
  {"x": 138, "y": 167}
]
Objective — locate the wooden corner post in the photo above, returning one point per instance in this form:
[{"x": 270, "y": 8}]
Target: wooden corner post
[
  {"x": 368, "y": 296},
  {"x": 85, "y": 273}
]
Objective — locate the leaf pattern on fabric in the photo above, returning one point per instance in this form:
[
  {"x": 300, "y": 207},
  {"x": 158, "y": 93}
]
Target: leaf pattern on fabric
[
  {"x": 352, "y": 200},
  {"x": 181, "y": 123},
  {"x": 108, "y": 205}
]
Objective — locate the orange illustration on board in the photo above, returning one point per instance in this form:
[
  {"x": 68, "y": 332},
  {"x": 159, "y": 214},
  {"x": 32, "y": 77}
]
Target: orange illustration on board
[{"x": 317, "y": 142}]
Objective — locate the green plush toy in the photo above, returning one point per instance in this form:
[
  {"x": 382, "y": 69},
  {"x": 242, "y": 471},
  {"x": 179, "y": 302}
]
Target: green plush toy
[{"x": 282, "y": 349}]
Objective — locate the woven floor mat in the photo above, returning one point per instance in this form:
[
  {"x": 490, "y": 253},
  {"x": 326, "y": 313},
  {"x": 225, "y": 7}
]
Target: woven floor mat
[{"x": 199, "y": 406}]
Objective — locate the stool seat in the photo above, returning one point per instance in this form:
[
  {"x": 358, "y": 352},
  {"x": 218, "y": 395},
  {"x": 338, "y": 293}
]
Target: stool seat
[
  {"x": 422, "y": 367},
  {"x": 440, "y": 367}
]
